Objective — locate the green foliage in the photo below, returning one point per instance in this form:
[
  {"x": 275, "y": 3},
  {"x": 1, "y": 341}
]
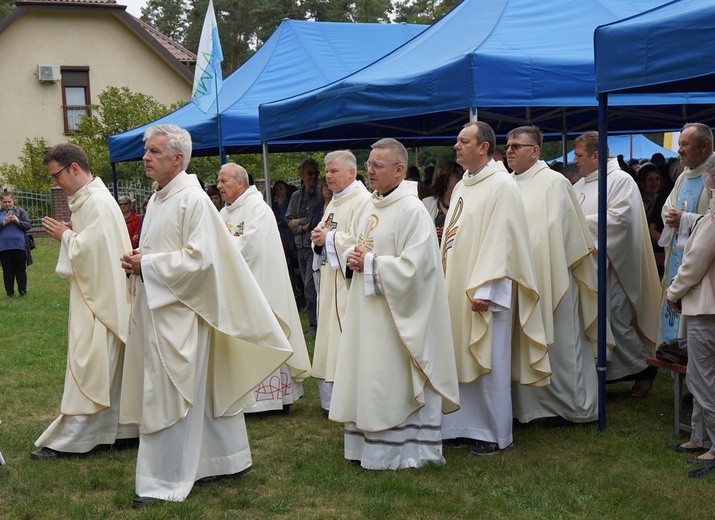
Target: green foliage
[
  {"x": 282, "y": 166},
  {"x": 244, "y": 25},
  {"x": 5, "y": 6},
  {"x": 423, "y": 11},
  {"x": 32, "y": 174},
  {"x": 119, "y": 110},
  {"x": 168, "y": 17}
]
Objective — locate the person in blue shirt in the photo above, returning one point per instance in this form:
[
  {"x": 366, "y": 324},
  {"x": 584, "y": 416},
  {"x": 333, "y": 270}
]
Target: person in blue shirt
[{"x": 14, "y": 225}]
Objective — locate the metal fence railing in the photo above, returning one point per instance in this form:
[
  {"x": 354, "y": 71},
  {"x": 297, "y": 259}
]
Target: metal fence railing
[
  {"x": 39, "y": 204},
  {"x": 36, "y": 204},
  {"x": 136, "y": 191}
]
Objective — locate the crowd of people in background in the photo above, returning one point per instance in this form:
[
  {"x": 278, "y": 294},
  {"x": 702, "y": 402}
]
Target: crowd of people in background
[{"x": 445, "y": 321}]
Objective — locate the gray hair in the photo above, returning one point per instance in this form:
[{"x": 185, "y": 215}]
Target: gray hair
[
  {"x": 346, "y": 156},
  {"x": 178, "y": 140},
  {"x": 239, "y": 171},
  {"x": 126, "y": 198},
  {"x": 709, "y": 173},
  {"x": 398, "y": 151},
  {"x": 702, "y": 131}
]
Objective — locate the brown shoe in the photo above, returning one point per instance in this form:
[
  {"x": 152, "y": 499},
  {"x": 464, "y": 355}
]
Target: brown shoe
[{"x": 642, "y": 387}]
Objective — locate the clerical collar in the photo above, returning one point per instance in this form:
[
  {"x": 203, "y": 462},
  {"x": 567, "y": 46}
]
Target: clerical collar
[
  {"x": 347, "y": 190},
  {"x": 240, "y": 197},
  {"x": 383, "y": 195},
  {"x": 472, "y": 174},
  {"x": 82, "y": 189}
]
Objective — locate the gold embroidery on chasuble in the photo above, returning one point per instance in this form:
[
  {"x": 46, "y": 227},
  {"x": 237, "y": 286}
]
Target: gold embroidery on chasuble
[
  {"x": 451, "y": 231},
  {"x": 367, "y": 241}
]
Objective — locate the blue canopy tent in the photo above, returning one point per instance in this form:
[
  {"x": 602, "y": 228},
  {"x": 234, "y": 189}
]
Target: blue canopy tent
[
  {"x": 645, "y": 54},
  {"x": 300, "y": 55},
  {"x": 506, "y": 62},
  {"x": 635, "y": 146}
]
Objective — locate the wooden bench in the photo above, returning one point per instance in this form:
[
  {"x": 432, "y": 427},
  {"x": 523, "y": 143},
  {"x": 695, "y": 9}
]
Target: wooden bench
[{"x": 679, "y": 372}]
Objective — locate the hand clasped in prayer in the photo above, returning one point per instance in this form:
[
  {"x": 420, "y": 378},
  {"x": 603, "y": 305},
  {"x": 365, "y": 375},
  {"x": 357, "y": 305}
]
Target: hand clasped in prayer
[{"x": 356, "y": 259}]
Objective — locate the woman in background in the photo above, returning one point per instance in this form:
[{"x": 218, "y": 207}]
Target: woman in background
[
  {"x": 14, "y": 225},
  {"x": 447, "y": 175}
]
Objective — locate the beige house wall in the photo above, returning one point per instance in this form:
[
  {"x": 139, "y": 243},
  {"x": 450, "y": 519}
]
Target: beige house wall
[{"x": 115, "y": 55}]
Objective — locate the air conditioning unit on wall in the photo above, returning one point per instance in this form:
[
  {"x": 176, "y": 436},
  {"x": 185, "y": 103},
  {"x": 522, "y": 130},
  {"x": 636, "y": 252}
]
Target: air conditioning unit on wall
[{"x": 48, "y": 73}]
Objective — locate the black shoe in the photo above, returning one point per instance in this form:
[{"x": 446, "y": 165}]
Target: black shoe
[
  {"x": 678, "y": 448},
  {"x": 123, "y": 444},
  {"x": 459, "y": 442},
  {"x": 220, "y": 478},
  {"x": 555, "y": 423},
  {"x": 145, "y": 501},
  {"x": 22, "y": 294},
  {"x": 49, "y": 454},
  {"x": 698, "y": 460},
  {"x": 700, "y": 473},
  {"x": 484, "y": 448}
]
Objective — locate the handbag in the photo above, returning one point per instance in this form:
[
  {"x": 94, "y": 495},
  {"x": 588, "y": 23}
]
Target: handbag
[
  {"x": 673, "y": 351},
  {"x": 30, "y": 242}
]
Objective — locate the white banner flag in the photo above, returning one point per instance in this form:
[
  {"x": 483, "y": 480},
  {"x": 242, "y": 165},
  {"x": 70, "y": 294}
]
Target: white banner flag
[{"x": 207, "y": 77}]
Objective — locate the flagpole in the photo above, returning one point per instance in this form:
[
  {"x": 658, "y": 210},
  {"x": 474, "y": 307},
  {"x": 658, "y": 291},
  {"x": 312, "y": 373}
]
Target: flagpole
[
  {"x": 221, "y": 150},
  {"x": 208, "y": 61}
]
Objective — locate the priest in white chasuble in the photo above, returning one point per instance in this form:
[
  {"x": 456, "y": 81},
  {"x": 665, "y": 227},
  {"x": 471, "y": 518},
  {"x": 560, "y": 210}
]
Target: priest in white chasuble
[
  {"x": 395, "y": 373},
  {"x": 90, "y": 246},
  {"x": 565, "y": 266},
  {"x": 201, "y": 330},
  {"x": 494, "y": 306},
  {"x": 252, "y": 224},
  {"x": 331, "y": 239},
  {"x": 633, "y": 284},
  {"x": 687, "y": 202}
]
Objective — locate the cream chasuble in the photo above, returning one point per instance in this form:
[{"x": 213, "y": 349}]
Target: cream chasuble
[
  {"x": 565, "y": 265},
  {"x": 396, "y": 342},
  {"x": 333, "y": 296},
  {"x": 193, "y": 276},
  {"x": 485, "y": 239},
  {"x": 252, "y": 224},
  {"x": 630, "y": 252},
  {"x": 99, "y": 304}
]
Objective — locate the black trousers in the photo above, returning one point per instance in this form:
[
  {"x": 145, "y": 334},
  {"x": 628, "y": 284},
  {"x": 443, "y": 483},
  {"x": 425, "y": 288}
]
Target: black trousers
[{"x": 13, "y": 268}]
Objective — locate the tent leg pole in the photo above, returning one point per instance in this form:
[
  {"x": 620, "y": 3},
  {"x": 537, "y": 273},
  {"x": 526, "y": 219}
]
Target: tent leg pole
[
  {"x": 602, "y": 265},
  {"x": 115, "y": 181},
  {"x": 266, "y": 171},
  {"x": 564, "y": 139}
]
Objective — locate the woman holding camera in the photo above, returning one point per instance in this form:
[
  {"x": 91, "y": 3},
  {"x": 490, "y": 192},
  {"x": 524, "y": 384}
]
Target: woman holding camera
[{"x": 14, "y": 225}]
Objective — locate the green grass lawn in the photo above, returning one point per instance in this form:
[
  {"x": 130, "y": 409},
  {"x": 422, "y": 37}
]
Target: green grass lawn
[{"x": 626, "y": 472}]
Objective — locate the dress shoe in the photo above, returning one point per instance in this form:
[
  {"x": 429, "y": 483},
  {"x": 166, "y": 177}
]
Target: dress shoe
[
  {"x": 641, "y": 388},
  {"x": 220, "y": 478},
  {"x": 459, "y": 442},
  {"x": 698, "y": 460},
  {"x": 145, "y": 501},
  {"x": 484, "y": 448},
  {"x": 701, "y": 472},
  {"x": 679, "y": 448},
  {"x": 49, "y": 454}
]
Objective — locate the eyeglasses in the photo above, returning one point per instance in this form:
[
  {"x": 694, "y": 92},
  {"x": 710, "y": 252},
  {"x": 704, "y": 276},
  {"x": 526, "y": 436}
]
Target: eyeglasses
[
  {"x": 377, "y": 166},
  {"x": 124, "y": 204},
  {"x": 517, "y": 146},
  {"x": 56, "y": 176}
]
